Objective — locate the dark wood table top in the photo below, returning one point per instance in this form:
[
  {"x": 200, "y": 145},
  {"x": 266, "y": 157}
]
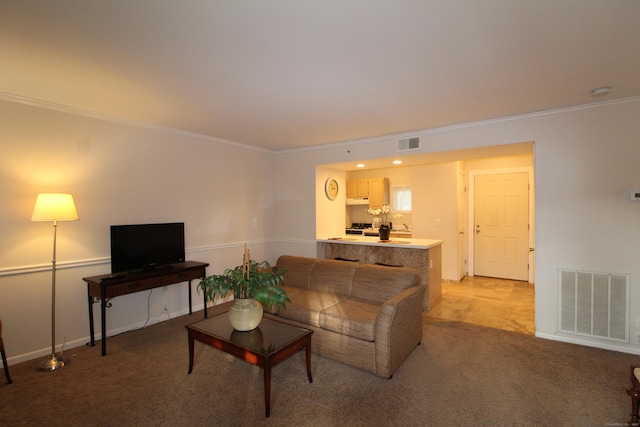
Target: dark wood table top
[{"x": 268, "y": 338}]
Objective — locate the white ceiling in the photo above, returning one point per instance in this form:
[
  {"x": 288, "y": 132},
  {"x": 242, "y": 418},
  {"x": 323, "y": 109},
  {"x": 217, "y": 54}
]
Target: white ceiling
[{"x": 284, "y": 74}]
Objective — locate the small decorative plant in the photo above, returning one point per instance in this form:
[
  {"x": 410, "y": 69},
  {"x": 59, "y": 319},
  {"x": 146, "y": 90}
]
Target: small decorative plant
[{"x": 251, "y": 280}]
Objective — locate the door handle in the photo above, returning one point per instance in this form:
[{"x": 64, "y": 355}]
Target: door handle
[{"x": 477, "y": 228}]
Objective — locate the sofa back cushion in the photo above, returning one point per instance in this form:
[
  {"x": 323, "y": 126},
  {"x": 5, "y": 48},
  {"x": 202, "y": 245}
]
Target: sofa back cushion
[
  {"x": 333, "y": 276},
  {"x": 378, "y": 284},
  {"x": 298, "y": 270}
]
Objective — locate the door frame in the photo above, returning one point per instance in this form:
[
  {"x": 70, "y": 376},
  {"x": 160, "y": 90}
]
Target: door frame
[
  {"x": 462, "y": 200},
  {"x": 471, "y": 215}
]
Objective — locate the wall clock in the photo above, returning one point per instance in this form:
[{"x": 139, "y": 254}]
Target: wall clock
[{"x": 331, "y": 188}]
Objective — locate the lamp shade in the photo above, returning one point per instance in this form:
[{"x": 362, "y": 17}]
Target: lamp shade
[{"x": 54, "y": 207}]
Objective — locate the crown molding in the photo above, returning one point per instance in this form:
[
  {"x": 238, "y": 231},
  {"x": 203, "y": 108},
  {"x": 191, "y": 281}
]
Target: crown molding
[
  {"x": 39, "y": 103},
  {"x": 4, "y": 96},
  {"x": 479, "y": 123}
]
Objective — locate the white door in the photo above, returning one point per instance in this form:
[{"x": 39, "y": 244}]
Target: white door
[{"x": 501, "y": 234}]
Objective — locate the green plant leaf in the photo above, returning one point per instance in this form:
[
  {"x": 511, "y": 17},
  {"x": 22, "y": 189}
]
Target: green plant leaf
[{"x": 260, "y": 281}]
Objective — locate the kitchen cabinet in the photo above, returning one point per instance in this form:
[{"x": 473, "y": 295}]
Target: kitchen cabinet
[
  {"x": 363, "y": 188},
  {"x": 378, "y": 192},
  {"x": 357, "y": 188},
  {"x": 352, "y": 188}
]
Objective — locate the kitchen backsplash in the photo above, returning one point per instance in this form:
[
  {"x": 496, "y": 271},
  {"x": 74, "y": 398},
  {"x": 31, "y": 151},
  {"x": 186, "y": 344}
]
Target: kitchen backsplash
[{"x": 360, "y": 214}]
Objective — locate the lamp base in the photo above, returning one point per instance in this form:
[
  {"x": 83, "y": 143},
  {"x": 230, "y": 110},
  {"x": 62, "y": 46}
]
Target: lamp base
[{"x": 52, "y": 363}]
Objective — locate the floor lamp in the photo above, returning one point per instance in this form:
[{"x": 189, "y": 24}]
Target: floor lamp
[{"x": 54, "y": 207}]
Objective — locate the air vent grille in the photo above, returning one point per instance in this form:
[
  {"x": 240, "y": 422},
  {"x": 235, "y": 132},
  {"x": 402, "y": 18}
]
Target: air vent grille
[
  {"x": 594, "y": 304},
  {"x": 406, "y": 144}
]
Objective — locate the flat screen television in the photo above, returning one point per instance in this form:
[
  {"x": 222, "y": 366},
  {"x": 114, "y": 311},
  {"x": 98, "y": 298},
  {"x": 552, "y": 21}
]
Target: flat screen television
[{"x": 139, "y": 247}]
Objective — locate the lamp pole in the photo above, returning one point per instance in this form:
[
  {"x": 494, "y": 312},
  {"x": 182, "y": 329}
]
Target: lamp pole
[
  {"x": 55, "y": 361},
  {"x": 54, "y": 207}
]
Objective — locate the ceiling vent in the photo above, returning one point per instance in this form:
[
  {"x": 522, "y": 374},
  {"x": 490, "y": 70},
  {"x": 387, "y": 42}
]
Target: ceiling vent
[{"x": 406, "y": 144}]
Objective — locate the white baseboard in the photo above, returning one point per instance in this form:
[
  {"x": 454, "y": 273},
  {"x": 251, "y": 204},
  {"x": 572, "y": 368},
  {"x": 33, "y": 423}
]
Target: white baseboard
[
  {"x": 67, "y": 347},
  {"x": 587, "y": 343}
]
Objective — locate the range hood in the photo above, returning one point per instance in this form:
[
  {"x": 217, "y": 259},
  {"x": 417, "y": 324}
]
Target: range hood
[{"x": 358, "y": 201}]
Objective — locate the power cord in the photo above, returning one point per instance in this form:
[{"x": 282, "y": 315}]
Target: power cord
[{"x": 148, "y": 309}]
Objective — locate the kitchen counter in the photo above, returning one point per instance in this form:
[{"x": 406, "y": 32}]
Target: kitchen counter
[
  {"x": 401, "y": 242},
  {"x": 424, "y": 255}
]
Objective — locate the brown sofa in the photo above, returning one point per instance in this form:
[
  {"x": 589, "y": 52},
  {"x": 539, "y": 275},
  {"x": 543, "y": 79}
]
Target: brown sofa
[{"x": 364, "y": 315}]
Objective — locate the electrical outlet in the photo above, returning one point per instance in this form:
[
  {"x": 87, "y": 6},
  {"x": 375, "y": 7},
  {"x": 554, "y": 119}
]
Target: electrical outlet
[
  {"x": 164, "y": 307},
  {"x": 637, "y": 337}
]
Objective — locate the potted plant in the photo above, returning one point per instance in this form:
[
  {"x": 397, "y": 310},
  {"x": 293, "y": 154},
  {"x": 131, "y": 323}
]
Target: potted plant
[
  {"x": 385, "y": 227},
  {"x": 253, "y": 284}
]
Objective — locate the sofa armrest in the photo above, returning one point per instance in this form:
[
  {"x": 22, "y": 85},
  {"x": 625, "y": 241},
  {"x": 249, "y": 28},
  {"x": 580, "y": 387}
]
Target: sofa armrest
[{"x": 398, "y": 329}]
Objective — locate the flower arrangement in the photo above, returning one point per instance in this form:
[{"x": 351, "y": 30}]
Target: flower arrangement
[{"x": 382, "y": 211}]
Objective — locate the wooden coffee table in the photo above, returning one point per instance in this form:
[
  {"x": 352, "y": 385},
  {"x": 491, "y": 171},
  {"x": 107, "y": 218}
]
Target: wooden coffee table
[{"x": 269, "y": 344}]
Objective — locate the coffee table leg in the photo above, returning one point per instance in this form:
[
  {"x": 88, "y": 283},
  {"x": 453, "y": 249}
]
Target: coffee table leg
[
  {"x": 190, "y": 353},
  {"x": 267, "y": 390},
  {"x": 307, "y": 353}
]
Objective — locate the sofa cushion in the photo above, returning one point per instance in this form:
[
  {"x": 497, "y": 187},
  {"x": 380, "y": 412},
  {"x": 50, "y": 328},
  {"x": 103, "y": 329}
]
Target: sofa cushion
[
  {"x": 291, "y": 290},
  {"x": 298, "y": 270},
  {"x": 306, "y": 305},
  {"x": 378, "y": 284},
  {"x": 333, "y": 276},
  {"x": 353, "y": 317}
]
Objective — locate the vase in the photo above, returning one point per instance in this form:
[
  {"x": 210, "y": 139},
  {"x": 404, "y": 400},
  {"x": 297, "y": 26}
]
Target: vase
[
  {"x": 245, "y": 314},
  {"x": 385, "y": 230}
]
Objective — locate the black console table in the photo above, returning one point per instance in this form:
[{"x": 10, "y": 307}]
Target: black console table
[{"x": 103, "y": 288}]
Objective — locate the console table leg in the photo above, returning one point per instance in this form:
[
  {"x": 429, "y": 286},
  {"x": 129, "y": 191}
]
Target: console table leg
[
  {"x": 189, "y": 297},
  {"x": 103, "y": 326},
  {"x": 91, "y": 326}
]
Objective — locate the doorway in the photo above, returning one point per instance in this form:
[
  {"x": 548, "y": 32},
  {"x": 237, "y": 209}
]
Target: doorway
[{"x": 501, "y": 224}]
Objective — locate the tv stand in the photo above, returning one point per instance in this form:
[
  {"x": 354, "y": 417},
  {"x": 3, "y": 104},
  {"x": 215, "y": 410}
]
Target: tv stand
[{"x": 104, "y": 287}]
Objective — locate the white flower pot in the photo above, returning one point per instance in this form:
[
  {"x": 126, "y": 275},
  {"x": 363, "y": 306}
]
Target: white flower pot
[{"x": 245, "y": 314}]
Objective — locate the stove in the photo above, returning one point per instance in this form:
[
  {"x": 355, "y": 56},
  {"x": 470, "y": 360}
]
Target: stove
[
  {"x": 361, "y": 225},
  {"x": 357, "y": 227}
]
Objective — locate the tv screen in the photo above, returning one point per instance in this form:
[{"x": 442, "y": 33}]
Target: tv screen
[{"x": 146, "y": 246}]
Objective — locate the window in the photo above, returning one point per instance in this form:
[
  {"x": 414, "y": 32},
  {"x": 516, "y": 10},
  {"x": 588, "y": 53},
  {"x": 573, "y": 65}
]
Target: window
[{"x": 401, "y": 199}]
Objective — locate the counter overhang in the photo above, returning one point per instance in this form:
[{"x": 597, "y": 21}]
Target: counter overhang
[{"x": 375, "y": 241}]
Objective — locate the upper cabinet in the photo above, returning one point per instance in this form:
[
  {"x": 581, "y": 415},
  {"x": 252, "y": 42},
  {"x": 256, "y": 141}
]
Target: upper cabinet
[
  {"x": 375, "y": 189},
  {"x": 358, "y": 188},
  {"x": 352, "y": 188},
  {"x": 378, "y": 192}
]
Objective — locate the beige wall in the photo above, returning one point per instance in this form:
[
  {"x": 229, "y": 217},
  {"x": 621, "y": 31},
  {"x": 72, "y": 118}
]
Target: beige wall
[
  {"x": 329, "y": 213},
  {"x": 435, "y": 212}
]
